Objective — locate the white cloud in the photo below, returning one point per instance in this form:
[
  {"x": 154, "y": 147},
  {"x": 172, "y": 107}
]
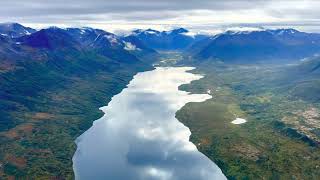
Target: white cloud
[
  {"x": 115, "y": 15},
  {"x": 241, "y": 29}
]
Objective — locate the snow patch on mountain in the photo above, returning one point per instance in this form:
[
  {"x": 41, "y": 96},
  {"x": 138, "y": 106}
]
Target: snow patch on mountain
[
  {"x": 130, "y": 47},
  {"x": 112, "y": 38},
  {"x": 150, "y": 32},
  {"x": 82, "y": 31},
  {"x": 191, "y": 34}
]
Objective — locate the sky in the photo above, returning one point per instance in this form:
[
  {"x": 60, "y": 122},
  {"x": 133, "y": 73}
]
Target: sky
[{"x": 198, "y": 15}]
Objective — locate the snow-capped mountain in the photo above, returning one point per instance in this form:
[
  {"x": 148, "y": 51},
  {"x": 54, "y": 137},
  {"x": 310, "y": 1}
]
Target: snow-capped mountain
[
  {"x": 85, "y": 39},
  {"x": 264, "y": 45},
  {"x": 14, "y": 30},
  {"x": 176, "y": 39}
]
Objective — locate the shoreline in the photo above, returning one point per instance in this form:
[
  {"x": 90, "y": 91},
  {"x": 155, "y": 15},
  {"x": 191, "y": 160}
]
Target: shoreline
[{"x": 105, "y": 121}]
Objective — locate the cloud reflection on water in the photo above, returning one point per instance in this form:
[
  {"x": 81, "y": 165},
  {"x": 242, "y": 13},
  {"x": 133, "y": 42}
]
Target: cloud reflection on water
[{"x": 139, "y": 136}]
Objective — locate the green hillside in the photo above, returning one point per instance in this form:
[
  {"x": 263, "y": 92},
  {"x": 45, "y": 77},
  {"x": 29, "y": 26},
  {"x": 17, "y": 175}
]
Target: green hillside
[{"x": 281, "y": 138}]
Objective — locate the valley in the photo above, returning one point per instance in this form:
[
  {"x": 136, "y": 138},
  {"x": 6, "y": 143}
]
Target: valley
[
  {"x": 139, "y": 134},
  {"x": 262, "y": 121}
]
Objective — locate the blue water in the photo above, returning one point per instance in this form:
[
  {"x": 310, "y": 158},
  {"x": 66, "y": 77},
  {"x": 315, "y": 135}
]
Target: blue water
[{"x": 139, "y": 136}]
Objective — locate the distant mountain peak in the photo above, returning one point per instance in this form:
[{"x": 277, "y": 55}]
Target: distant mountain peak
[
  {"x": 54, "y": 28},
  {"x": 156, "y": 32},
  {"x": 284, "y": 31},
  {"x": 12, "y": 29},
  {"x": 10, "y": 24},
  {"x": 261, "y": 45},
  {"x": 179, "y": 38},
  {"x": 244, "y": 31},
  {"x": 179, "y": 31},
  {"x": 151, "y": 30},
  {"x": 146, "y": 31},
  {"x": 50, "y": 38}
]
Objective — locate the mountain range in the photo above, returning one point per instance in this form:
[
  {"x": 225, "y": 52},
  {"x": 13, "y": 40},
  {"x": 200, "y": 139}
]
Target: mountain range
[
  {"x": 257, "y": 46},
  {"x": 45, "y": 56},
  {"x": 53, "y": 80},
  {"x": 39, "y": 54},
  {"x": 15, "y": 30},
  {"x": 279, "y": 45},
  {"x": 177, "y": 39}
]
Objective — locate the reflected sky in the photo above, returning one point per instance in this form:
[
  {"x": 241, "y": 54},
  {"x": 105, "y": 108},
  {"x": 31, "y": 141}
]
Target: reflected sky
[{"x": 139, "y": 136}]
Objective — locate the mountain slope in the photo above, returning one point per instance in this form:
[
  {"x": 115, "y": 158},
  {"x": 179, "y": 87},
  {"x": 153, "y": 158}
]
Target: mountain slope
[
  {"x": 106, "y": 42},
  {"x": 266, "y": 45},
  {"x": 302, "y": 81},
  {"x": 56, "y": 52},
  {"x": 51, "y": 38},
  {"x": 52, "y": 83},
  {"x": 177, "y": 39},
  {"x": 15, "y": 30}
]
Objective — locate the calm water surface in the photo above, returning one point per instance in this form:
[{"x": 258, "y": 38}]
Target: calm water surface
[{"x": 139, "y": 136}]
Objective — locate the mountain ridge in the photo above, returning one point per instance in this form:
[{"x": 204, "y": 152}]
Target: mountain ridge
[
  {"x": 15, "y": 30},
  {"x": 252, "y": 46},
  {"x": 176, "y": 39}
]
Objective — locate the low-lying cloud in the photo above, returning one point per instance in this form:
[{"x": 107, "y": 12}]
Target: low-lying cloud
[{"x": 122, "y": 14}]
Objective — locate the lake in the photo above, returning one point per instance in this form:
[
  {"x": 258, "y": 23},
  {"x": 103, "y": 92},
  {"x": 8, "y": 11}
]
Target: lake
[{"x": 139, "y": 137}]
